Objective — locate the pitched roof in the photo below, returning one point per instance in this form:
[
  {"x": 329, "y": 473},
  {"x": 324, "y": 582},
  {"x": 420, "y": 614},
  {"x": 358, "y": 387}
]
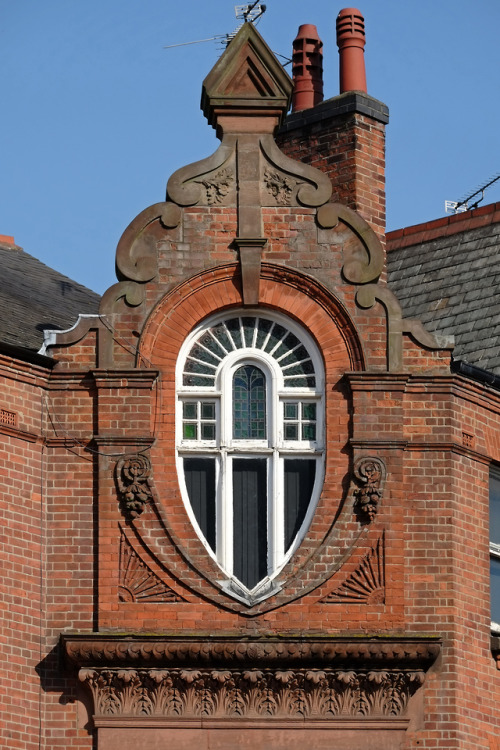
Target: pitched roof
[
  {"x": 447, "y": 274},
  {"x": 34, "y": 296}
]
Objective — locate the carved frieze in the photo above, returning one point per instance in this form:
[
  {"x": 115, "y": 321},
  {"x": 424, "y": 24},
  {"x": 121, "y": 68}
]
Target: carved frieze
[
  {"x": 138, "y": 583},
  {"x": 301, "y": 694},
  {"x": 370, "y": 473},
  {"x": 132, "y": 474},
  {"x": 367, "y": 584}
]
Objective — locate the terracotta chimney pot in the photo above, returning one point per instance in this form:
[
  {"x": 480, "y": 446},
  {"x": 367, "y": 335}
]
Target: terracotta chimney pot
[
  {"x": 307, "y": 68},
  {"x": 351, "y": 43}
]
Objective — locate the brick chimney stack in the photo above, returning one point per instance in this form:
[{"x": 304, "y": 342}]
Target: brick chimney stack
[
  {"x": 351, "y": 44},
  {"x": 343, "y": 136},
  {"x": 307, "y": 68}
]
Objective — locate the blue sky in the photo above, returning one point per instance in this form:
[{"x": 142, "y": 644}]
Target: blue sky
[{"x": 97, "y": 114}]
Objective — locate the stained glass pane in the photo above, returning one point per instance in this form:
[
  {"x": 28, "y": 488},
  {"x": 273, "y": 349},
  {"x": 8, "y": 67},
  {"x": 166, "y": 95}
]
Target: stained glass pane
[
  {"x": 198, "y": 367},
  {"x": 300, "y": 382},
  {"x": 309, "y": 432},
  {"x": 198, "y": 380},
  {"x": 291, "y": 411},
  {"x": 197, "y": 352},
  {"x": 296, "y": 356},
  {"x": 291, "y": 431},
  {"x": 209, "y": 342},
  {"x": 249, "y": 403},
  {"x": 305, "y": 368},
  {"x": 289, "y": 342}
]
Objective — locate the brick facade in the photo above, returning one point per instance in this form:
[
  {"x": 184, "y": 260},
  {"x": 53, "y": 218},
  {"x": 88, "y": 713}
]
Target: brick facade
[{"x": 119, "y": 630}]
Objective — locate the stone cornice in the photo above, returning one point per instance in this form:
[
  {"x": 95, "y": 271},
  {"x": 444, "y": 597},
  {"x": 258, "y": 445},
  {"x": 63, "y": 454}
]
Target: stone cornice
[{"x": 387, "y": 652}]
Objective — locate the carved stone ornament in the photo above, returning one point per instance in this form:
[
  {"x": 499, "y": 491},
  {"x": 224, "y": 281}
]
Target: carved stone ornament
[
  {"x": 218, "y": 186},
  {"x": 303, "y": 679},
  {"x": 132, "y": 474},
  {"x": 370, "y": 473},
  {"x": 279, "y": 186},
  {"x": 138, "y": 583},
  {"x": 367, "y": 584}
]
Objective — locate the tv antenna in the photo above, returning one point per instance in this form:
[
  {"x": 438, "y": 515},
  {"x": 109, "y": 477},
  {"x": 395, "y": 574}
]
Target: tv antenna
[
  {"x": 467, "y": 204},
  {"x": 250, "y": 13}
]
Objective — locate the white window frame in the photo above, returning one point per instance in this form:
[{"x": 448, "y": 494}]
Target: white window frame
[
  {"x": 494, "y": 543},
  {"x": 274, "y": 447}
]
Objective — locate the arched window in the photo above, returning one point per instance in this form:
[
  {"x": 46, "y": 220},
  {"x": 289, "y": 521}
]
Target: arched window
[{"x": 250, "y": 442}]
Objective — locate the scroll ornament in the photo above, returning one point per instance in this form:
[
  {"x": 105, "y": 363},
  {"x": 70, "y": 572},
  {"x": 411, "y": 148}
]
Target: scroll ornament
[
  {"x": 132, "y": 474},
  {"x": 370, "y": 473}
]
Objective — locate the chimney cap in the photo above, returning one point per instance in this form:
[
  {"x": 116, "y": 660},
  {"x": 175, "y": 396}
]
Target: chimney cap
[{"x": 351, "y": 43}]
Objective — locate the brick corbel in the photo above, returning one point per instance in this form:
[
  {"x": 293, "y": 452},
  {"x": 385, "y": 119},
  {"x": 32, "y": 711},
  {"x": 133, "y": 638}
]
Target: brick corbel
[{"x": 250, "y": 251}]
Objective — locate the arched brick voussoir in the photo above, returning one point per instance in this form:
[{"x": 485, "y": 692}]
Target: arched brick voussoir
[{"x": 295, "y": 294}]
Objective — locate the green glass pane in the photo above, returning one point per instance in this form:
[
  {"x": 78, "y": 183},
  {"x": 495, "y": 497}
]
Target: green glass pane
[
  {"x": 291, "y": 411},
  {"x": 308, "y": 411},
  {"x": 220, "y": 334},
  {"x": 248, "y": 330},
  {"x": 233, "y": 326},
  {"x": 190, "y": 431},
  {"x": 298, "y": 355},
  {"x": 189, "y": 410},
  {"x": 308, "y": 432},
  {"x": 277, "y": 334},
  {"x": 207, "y": 431},
  {"x": 264, "y": 326},
  {"x": 305, "y": 368},
  {"x": 207, "y": 410},
  {"x": 291, "y": 432},
  {"x": 197, "y": 352}
]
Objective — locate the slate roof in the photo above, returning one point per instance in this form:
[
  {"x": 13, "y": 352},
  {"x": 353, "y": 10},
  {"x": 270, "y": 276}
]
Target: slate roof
[
  {"x": 447, "y": 273},
  {"x": 34, "y": 296}
]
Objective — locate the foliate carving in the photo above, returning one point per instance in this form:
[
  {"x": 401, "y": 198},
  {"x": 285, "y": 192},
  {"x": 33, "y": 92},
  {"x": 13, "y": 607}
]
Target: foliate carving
[
  {"x": 218, "y": 186},
  {"x": 132, "y": 474},
  {"x": 138, "y": 583},
  {"x": 370, "y": 473},
  {"x": 279, "y": 186},
  {"x": 367, "y": 584},
  {"x": 301, "y": 694}
]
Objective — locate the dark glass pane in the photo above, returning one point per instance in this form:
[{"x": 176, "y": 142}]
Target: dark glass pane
[
  {"x": 277, "y": 334},
  {"x": 288, "y": 343},
  {"x": 207, "y": 410},
  {"x": 189, "y": 431},
  {"x": 220, "y": 334},
  {"x": 495, "y": 589},
  {"x": 189, "y": 410},
  {"x": 233, "y": 326},
  {"x": 207, "y": 431},
  {"x": 297, "y": 356},
  {"x": 248, "y": 330},
  {"x": 198, "y": 380},
  {"x": 308, "y": 411},
  {"x": 250, "y": 520},
  {"x": 291, "y": 431},
  {"x": 209, "y": 343},
  {"x": 308, "y": 432},
  {"x": 200, "y": 483},
  {"x": 199, "y": 368},
  {"x": 291, "y": 411},
  {"x": 300, "y": 382},
  {"x": 199, "y": 353},
  {"x": 249, "y": 403},
  {"x": 264, "y": 326},
  {"x": 495, "y": 508},
  {"x": 299, "y": 483},
  {"x": 300, "y": 368}
]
